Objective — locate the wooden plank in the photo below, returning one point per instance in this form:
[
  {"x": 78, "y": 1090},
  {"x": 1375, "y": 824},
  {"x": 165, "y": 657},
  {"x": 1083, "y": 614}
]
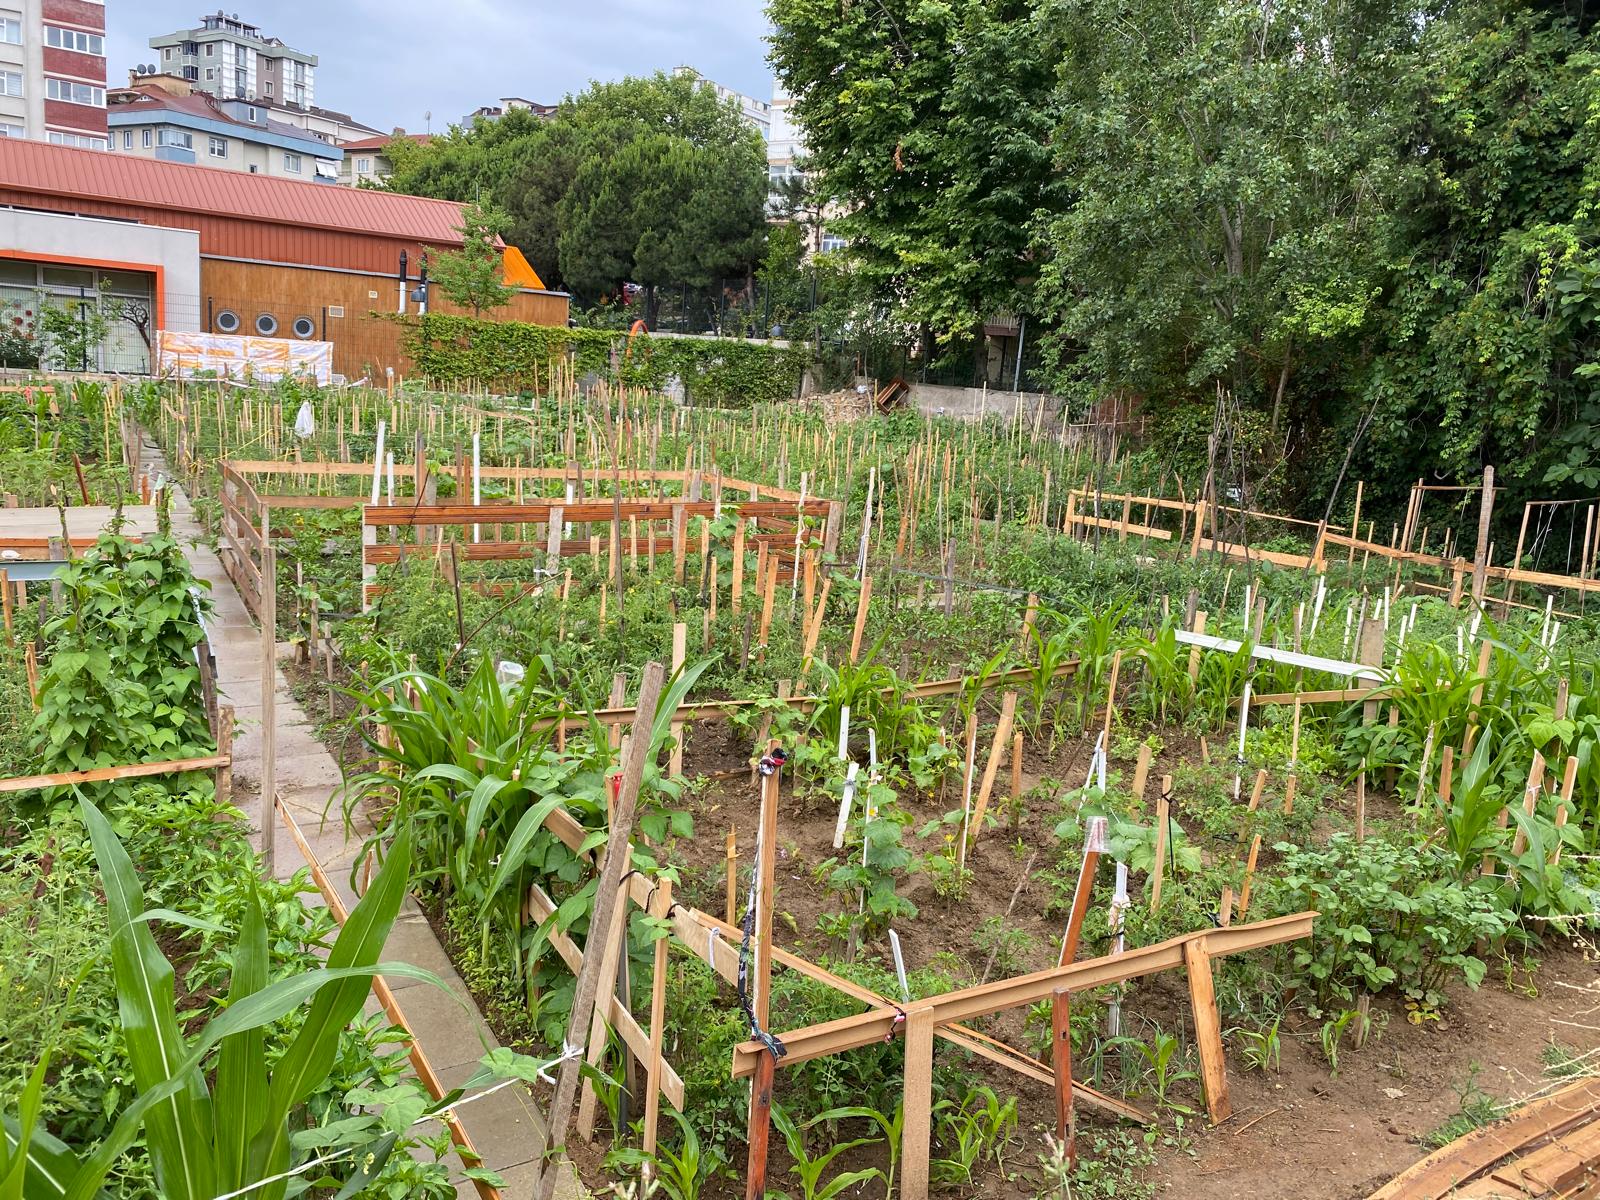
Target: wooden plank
[
  {"x": 1446, "y": 1169},
  {"x": 541, "y": 908},
  {"x": 970, "y": 1003},
  {"x": 916, "y": 1130},
  {"x": 1207, "y": 1029},
  {"x": 577, "y": 512},
  {"x": 29, "y": 783},
  {"x": 1329, "y": 696},
  {"x": 991, "y": 768}
]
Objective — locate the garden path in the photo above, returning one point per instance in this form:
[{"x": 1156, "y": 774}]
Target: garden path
[{"x": 506, "y": 1126}]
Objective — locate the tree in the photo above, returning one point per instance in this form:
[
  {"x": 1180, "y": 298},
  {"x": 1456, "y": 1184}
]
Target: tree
[
  {"x": 669, "y": 187},
  {"x": 647, "y": 180},
  {"x": 928, "y": 125},
  {"x": 1234, "y": 167},
  {"x": 474, "y": 276}
]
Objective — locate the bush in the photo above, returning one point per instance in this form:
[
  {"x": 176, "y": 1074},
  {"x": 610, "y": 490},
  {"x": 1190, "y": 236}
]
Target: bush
[{"x": 1391, "y": 916}]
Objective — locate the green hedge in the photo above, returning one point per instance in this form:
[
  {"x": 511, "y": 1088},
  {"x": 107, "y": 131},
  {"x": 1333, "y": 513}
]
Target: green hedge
[{"x": 514, "y": 355}]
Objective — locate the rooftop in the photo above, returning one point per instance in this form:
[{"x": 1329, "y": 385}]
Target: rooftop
[
  {"x": 73, "y": 174},
  {"x": 150, "y": 100},
  {"x": 382, "y": 140}
]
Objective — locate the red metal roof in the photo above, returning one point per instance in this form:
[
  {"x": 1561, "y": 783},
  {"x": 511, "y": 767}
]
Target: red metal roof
[
  {"x": 71, "y": 173},
  {"x": 378, "y": 143}
]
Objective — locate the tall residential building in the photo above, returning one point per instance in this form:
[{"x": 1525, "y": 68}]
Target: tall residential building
[
  {"x": 783, "y": 139},
  {"x": 53, "y": 71},
  {"x": 234, "y": 60},
  {"x": 158, "y": 117},
  {"x": 757, "y": 113}
]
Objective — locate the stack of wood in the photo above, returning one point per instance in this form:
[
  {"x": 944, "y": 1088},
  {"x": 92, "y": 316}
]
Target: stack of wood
[{"x": 1548, "y": 1148}]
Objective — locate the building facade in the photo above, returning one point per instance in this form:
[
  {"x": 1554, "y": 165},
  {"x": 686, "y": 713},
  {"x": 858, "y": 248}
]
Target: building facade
[
  {"x": 53, "y": 71},
  {"x": 366, "y": 162},
  {"x": 150, "y": 121},
  {"x": 227, "y": 252},
  {"x": 234, "y": 60},
  {"x": 757, "y": 113}
]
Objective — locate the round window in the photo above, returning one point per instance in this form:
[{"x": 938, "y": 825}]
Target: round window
[
  {"x": 227, "y": 321},
  {"x": 304, "y": 327},
  {"x": 266, "y": 324}
]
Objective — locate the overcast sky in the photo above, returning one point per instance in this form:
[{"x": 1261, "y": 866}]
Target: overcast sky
[{"x": 388, "y": 62}]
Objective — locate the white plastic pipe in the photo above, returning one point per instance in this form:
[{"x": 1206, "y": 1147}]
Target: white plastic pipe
[{"x": 377, "y": 460}]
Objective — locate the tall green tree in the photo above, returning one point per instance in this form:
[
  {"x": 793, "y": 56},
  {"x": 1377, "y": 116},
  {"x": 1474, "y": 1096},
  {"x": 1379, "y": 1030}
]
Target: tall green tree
[
  {"x": 1235, "y": 167},
  {"x": 646, "y": 180},
  {"x": 669, "y": 187},
  {"x": 474, "y": 276},
  {"x": 1490, "y": 335},
  {"x": 928, "y": 124}
]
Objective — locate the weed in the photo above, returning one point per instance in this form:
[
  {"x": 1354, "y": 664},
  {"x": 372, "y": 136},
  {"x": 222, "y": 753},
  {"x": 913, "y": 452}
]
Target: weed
[
  {"x": 1262, "y": 1051},
  {"x": 1008, "y": 947},
  {"x": 1474, "y": 1109}
]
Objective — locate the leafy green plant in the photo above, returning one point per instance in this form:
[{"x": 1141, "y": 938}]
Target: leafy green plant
[
  {"x": 970, "y": 1132},
  {"x": 683, "y": 1173},
  {"x": 890, "y": 1126},
  {"x": 1165, "y": 1064},
  {"x": 809, "y": 1171},
  {"x": 1261, "y": 1048}
]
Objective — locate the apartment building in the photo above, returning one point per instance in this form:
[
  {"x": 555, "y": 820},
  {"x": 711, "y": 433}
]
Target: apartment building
[
  {"x": 53, "y": 71},
  {"x": 366, "y": 162},
  {"x": 155, "y": 118},
  {"x": 233, "y": 60},
  {"x": 757, "y": 113}
]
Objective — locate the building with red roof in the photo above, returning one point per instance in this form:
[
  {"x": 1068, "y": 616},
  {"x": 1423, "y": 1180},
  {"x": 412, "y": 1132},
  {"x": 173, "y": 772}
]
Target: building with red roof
[{"x": 230, "y": 252}]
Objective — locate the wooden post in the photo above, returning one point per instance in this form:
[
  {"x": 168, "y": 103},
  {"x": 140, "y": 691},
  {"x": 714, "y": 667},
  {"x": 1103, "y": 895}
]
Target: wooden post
[
  {"x": 1355, "y": 522},
  {"x": 1163, "y": 825},
  {"x": 1249, "y": 877},
  {"x": 661, "y": 905},
  {"x": 1016, "y": 767},
  {"x": 5, "y": 604},
  {"x": 679, "y": 649},
  {"x": 1061, "y": 1061},
  {"x": 916, "y": 1130},
  {"x": 738, "y": 565},
  {"x": 731, "y": 852},
  {"x": 614, "y": 947},
  {"x": 1002, "y": 733},
  {"x": 760, "y": 1126},
  {"x": 1530, "y": 801},
  {"x": 863, "y": 602},
  {"x": 1141, "y": 771},
  {"x": 614, "y": 862},
  {"x": 1293, "y": 782},
  {"x": 1199, "y": 626},
  {"x": 1207, "y": 1030},
  {"x": 765, "y": 866},
  {"x": 269, "y": 692},
  {"x": 224, "y": 777},
  {"x": 1480, "y": 558}
]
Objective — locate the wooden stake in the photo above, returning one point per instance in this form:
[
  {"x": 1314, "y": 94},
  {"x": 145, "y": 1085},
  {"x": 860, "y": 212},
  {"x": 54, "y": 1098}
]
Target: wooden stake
[
  {"x": 679, "y": 650},
  {"x": 863, "y": 602},
  {"x": 1002, "y": 733},
  {"x": 614, "y": 862},
  {"x": 916, "y": 1136},
  {"x": 1016, "y": 767},
  {"x": 1249, "y": 877},
  {"x": 1163, "y": 824},
  {"x": 1207, "y": 1030},
  {"x": 732, "y": 854},
  {"x": 1141, "y": 771},
  {"x": 1061, "y": 1060}
]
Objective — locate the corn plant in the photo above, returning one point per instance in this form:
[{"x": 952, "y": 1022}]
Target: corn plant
[
  {"x": 1168, "y": 691},
  {"x": 1222, "y": 680},
  {"x": 890, "y": 1126},
  {"x": 1468, "y": 823},
  {"x": 1051, "y": 653},
  {"x": 213, "y": 1110},
  {"x": 808, "y": 1171},
  {"x": 681, "y": 1174}
]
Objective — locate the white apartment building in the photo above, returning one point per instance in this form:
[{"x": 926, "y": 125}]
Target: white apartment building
[
  {"x": 53, "y": 71},
  {"x": 232, "y": 59},
  {"x": 757, "y": 113}
]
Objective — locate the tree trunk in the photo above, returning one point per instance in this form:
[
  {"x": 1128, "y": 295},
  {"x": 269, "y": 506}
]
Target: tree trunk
[{"x": 1283, "y": 385}]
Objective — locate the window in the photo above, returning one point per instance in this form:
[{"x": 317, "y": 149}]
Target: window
[
  {"x": 11, "y": 30},
  {"x": 218, "y": 147},
  {"x": 266, "y": 324},
  {"x": 291, "y": 162},
  {"x": 74, "y": 39},
  {"x": 146, "y": 139},
  {"x": 250, "y": 114},
  {"x": 12, "y": 129},
  {"x": 81, "y": 140},
  {"x": 227, "y": 321},
  {"x": 167, "y": 54},
  {"x": 181, "y": 138},
  {"x": 75, "y": 93},
  {"x": 303, "y": 327},
  {"x": 832, "y": 242},
  {"x": 269, "y": 87},
  {"x": 210, "y": 74},
  {"x": 127, "y": 139},
  {"x": 211, "y": 49},
  {"x": 363, "y": 166},
  {"x": 10, "y": 83}
]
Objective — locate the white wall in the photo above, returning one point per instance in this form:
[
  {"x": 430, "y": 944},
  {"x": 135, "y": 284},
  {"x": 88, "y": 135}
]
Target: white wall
[{"x": 140, "y": 247}]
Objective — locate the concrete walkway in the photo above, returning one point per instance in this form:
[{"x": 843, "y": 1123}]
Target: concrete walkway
[{"x": 506, "y": 1127}]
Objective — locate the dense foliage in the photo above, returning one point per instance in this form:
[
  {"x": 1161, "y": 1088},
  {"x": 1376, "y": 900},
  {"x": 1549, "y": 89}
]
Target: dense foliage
[
  {"x": 1367, "y": 224},
  {"x": 647, "y": 181}
]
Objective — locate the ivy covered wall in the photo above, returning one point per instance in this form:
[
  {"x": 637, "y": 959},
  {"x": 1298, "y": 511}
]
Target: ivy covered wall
[{"x": 513, "y": 356}]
